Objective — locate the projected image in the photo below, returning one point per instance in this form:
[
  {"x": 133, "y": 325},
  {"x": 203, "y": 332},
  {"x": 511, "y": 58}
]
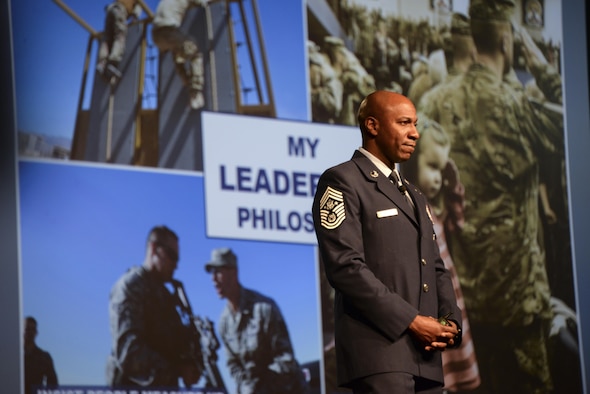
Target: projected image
[
  {"x": 132, "y": 77},
  {"x": 170, "y": 152},
  {"x": 403, "y": 46},
  {"x": 490, "y": 160},
  {"x": 127, "y": 291}
]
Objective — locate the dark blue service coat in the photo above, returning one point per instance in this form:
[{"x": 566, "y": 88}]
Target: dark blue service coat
[{"x": 384, "y": 264}]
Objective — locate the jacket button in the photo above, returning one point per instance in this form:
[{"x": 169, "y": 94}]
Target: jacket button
[
  {"x": 425, "y": 287},
  {"x": 423, "y": 262}
]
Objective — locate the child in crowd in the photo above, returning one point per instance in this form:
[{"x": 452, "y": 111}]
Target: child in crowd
[{"x": 435, "y": 174}]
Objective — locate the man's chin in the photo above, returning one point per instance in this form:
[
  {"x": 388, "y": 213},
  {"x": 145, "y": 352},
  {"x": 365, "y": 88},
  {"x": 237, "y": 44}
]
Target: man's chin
[{"x": 405, "y": 156}]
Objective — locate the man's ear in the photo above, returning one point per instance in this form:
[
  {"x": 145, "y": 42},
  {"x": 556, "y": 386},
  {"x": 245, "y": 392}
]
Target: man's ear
[{"x": 371, "y": 125}]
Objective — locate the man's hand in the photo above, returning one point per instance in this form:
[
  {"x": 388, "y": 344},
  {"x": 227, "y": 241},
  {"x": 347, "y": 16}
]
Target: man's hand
[{"x": 431, "y": 334}]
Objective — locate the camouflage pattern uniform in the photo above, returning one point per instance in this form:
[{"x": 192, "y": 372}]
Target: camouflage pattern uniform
[
  {"x": 356, "y": 81},
  {"x": 499, "y": 138},
  {"x": 150, "y": 342},
  {"x": 420, "y": 85},
  {"x": 386, "y": 58},
  {"x": 168, "y": 36},
  {"x": 325, "y": 87},
  {"x": 439, "y": 103},
  {"x": 112, "y": 45},
  {"x": 444, "y": 105},
  {"x": 259, "y": 352}
]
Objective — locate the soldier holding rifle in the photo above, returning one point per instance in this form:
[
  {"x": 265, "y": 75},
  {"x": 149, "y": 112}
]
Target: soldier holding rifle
[{"x": 152, "y": 345}]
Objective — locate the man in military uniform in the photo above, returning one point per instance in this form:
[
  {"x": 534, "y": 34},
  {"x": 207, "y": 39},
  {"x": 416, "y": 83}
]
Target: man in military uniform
[
  {"x": 259, "y": 352},
  {"x": 498, "y": 140},
  {"x": 378, "y": 248},
  {"x": 114, "y": 35},
  {"x": 386, "y": 60},
  {"x": 325, "y": 87},
  {"x": 356, "y": 81},
  {"x": 461, "y": 53},
  {"x": 438, "y": 103},
  {"x": 168, "y": 36},
  {"x": 151, "y": 344},
  {"x": 39, "y": 369}
]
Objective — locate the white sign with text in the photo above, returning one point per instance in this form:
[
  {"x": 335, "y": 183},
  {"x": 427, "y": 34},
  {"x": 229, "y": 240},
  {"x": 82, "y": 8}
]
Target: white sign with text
[{"x": 261, "y": 174}]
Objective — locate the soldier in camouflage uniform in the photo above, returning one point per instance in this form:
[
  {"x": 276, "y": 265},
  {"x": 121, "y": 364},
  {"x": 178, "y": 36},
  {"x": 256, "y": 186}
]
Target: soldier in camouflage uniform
[
  {"x": 499, "y": 138},
  {"x": 112, "y": 45},
  {"x": 325, "y": 87},
  {"x": 386, "y": 57},
  {"x": 168, "y": 36},
  {"x": 356, "y": 81},
  {"x": 439, "y": 103},
  {"x": 461, "y": 53},
  {"x": 151, "y": 344},
  {"x": 259, "y": 352}
]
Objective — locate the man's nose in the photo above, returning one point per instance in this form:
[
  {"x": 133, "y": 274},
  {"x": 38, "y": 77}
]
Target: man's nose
[{"x": 414, "y": 134}]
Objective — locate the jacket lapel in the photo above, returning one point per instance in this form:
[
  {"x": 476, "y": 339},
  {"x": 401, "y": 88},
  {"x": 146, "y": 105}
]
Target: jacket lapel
[{"x": 385, "y": 186}]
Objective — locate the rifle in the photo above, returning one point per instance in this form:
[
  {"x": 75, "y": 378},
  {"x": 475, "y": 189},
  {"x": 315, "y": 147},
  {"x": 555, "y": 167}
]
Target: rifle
[
  {"x": 206, "y": 339},
  {"x": 209, "y": 346}
]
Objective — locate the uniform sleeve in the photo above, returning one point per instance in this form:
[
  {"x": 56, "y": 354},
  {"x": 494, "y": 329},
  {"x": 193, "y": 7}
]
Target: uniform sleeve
[
  {"x": 282, "y": 349},
  {"x": 136, "y": 359},
  {"x": 448, "y": 286},
  {"x": 447, "y": 300},
  {"x": 284, "y": 369},
  {"x": 549, "y": 81},
  {"x": 234, "y": 364},
  {"x": 545, "y": 128},
  {"x": 337, "y": 214}
]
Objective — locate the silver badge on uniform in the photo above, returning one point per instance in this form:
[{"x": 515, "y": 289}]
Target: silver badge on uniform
[
  {"x": 332, "y": 212},
  {"x": 374, "y": 174}
]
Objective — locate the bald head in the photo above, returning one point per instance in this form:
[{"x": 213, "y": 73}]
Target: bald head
[
  {"x": 377, "y": 102},
  {"x": 388, "y": 124}
]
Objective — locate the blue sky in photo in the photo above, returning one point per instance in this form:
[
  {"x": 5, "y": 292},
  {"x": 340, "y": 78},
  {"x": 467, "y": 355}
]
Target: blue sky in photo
[
  {"x": 50, "y": 48},
  {"x": 83, "y": 226}
]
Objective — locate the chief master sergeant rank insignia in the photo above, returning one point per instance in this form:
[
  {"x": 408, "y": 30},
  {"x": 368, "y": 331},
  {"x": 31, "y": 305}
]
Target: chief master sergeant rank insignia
[{"x": 332, "y": 212}]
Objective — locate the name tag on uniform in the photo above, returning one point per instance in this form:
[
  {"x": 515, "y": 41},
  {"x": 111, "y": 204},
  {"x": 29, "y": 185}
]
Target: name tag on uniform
[{"x": 386, "y": 213}]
